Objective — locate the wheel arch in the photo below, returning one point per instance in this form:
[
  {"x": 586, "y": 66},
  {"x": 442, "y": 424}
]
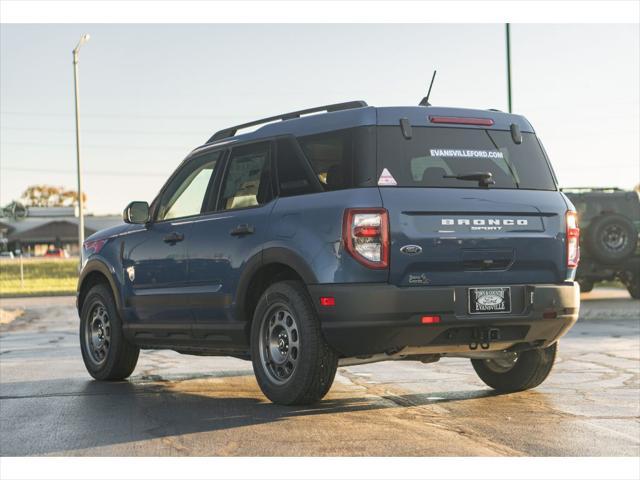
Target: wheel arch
[
  {"x": 94, "y": 273},
  {"x": 273, "y": 265}
]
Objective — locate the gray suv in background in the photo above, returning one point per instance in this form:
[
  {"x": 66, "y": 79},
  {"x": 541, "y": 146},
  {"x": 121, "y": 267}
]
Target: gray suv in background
[{"x": 610, "y": 223}]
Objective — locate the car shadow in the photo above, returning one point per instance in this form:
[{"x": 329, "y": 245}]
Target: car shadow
[{"x": 82, "y": 414}]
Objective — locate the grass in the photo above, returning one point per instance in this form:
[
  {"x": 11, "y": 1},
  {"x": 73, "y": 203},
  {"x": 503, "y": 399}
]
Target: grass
[{"x": 41, "y": 277}]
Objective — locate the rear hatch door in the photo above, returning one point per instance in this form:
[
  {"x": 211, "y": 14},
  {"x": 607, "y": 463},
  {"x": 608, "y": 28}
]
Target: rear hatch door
[{"x": 454, "y": 231}]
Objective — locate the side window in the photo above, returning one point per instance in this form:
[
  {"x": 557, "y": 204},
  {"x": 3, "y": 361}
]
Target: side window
[
  {"x": 186, "y": 193},
  {"x": 331, "y": 156},
  {"x": 294, "y": 175},
  {"x": 248, "y": 179}
]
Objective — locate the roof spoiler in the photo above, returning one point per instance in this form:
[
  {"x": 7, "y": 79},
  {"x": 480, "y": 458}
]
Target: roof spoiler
[{"x": 231, "y": 131}]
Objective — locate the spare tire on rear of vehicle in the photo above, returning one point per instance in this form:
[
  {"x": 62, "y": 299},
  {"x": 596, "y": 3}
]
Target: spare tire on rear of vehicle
[{"x": 611, "y": 238}]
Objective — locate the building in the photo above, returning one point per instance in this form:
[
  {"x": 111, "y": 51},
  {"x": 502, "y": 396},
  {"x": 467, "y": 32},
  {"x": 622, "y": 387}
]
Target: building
[{"x": 42, "y": 228}]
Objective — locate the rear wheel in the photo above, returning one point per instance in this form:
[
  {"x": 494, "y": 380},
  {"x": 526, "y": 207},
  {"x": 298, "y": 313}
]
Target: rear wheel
[
  {"x": 292, "y": 362},
  {"x": 515, "y": 372},
  {"x": 106, "y": 352},
  {"x": 633, "y": 284}
]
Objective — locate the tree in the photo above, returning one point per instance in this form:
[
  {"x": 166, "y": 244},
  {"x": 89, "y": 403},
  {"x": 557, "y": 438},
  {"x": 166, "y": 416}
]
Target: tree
[{"x": 50, "y": 196}]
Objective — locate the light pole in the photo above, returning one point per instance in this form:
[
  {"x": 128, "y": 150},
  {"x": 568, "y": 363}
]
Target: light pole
[
  {"x": 508, "y": 32},
  {"x": 84, "y": 39}
]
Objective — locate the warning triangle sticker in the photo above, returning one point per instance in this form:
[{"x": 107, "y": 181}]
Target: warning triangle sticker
[{"x": 386, "y": 179}]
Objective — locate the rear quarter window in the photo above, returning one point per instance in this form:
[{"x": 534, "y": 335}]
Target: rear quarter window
[
  {"x": 331, "y": 157},
  {"x": 342, "y": 159},
  {"x": 295, "y": 176}
]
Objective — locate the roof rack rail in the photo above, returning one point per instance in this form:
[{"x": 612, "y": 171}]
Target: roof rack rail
[
  {"x": 231, "y": 131},
  {"x": 591, "y": 189}
]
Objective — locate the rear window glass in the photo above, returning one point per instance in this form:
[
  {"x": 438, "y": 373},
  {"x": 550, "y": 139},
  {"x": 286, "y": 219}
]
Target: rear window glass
[{"x": 435, "y": 156}]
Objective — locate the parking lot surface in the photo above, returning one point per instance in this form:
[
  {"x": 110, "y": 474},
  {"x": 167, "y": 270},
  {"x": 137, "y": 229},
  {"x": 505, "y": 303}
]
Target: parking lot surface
[{"x": 186, "y": 405}]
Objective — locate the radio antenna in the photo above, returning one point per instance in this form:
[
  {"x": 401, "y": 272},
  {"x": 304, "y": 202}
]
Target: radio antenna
[{"x": 425, "y": 101}]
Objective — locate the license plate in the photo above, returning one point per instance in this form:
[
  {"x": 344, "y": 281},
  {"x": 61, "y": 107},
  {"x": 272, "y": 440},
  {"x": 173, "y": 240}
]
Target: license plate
[{"x": 490, "y": 300}]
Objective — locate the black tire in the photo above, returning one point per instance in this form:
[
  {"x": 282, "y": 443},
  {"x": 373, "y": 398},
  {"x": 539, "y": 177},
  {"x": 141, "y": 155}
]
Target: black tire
[
  {"x": 285, "y": 315},
  {"x": 585, "y": 285},
  {"x": 611, "y": 238},
  {"x": 529, "y": 370},
  {"x": 633, "y": 285},
  {"x": 112, "y": 360}
]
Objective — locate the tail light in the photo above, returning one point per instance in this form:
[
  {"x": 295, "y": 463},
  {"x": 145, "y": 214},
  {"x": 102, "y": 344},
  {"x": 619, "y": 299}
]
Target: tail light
[
  {"x": 365, "y": 235},
  {"x": 573, "y": 240}
]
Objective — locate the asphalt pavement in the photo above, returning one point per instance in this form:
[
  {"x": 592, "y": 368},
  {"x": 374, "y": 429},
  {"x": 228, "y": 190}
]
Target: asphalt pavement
[{"x": 186, "y": 405}]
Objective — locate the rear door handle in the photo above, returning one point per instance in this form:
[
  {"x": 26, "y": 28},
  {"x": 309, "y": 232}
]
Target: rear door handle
[
  {"x": 243, "y": 229},
  {"x": 174, "y": 238}
]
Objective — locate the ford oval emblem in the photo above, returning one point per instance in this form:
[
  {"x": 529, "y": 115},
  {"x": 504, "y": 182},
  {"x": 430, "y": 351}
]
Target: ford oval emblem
[
  {"x": 411, "y": 249},
  {"x": 490, "y": 300}
]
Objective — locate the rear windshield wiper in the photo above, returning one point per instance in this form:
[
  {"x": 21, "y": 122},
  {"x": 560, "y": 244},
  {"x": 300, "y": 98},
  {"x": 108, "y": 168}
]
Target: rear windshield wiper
[{"x": 484, "y": 179}]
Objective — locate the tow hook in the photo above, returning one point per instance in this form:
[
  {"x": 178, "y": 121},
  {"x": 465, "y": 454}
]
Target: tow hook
[{"x": 483, "y": 337}]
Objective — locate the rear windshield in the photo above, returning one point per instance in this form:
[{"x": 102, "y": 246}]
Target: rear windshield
[{"x": 435, "y": 156}]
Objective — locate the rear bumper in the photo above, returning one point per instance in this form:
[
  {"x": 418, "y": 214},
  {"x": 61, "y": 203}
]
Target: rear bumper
[{"x": 379, "y": 318}]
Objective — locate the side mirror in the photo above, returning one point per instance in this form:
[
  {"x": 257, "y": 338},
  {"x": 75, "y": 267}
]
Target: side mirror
[{"x": 136, "y": 212}]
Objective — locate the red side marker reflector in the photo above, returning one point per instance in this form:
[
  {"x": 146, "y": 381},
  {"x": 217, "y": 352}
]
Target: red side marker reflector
[
  {"x": 430, "y": 319},
  {"x": 462, "y": 120},
  {"x": 327, "y": 301}
]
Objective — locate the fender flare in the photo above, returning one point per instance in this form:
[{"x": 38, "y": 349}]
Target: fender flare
[
  {"x": 292, "y": 260},
  {"x": 266, "y": 257},
  {"x": 99, "y": 265}
]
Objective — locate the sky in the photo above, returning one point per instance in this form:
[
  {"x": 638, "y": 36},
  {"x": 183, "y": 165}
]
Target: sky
[{"x": 149, "y": 93}]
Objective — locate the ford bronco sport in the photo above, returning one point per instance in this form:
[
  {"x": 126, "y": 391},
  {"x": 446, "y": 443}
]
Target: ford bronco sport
[{"x": 339, "y": 235}]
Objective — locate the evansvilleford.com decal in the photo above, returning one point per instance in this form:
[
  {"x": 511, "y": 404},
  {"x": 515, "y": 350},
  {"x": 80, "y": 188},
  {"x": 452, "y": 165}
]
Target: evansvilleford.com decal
[{"x": 446, "y": 152}]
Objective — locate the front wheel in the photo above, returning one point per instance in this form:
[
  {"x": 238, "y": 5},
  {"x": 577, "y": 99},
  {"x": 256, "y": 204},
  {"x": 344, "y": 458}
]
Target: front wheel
[
  {"x": 514, "y": 372},
  {"x": 292, "y": 362},
  {"x": 107, "y": 354}
]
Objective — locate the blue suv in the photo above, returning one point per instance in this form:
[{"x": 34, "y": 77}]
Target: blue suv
[{"x": 339, "y": 235}]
